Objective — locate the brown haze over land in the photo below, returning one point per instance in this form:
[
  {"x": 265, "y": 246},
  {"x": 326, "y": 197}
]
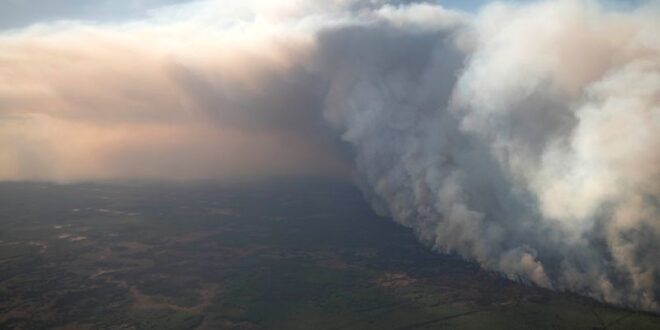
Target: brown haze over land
[{"x": 524, "y": 137}]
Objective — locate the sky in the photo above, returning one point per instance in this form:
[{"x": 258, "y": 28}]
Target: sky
[
  {"x": 21, "y": 13},
  {"x": 524, "y": 136}
]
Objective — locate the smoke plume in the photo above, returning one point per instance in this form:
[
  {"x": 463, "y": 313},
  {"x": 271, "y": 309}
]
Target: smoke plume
[{"x": 525, "y": 137}]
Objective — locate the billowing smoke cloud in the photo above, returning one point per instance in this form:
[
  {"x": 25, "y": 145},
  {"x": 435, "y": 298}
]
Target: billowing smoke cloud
[{"x": 524, "y": 137}]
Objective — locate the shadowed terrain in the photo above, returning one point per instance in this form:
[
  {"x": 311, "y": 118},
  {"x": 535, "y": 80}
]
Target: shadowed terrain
[{"x": 309, "y": 255}]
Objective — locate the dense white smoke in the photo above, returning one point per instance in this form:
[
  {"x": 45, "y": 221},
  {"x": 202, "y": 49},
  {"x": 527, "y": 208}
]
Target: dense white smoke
[
  {"x": 526, "y": 138},
  {"x": 523, "y": 137}
]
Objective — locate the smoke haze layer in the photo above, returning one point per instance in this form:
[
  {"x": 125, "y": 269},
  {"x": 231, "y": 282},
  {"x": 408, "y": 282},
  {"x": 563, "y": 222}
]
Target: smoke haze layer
[{"x": 523, "y": 137}]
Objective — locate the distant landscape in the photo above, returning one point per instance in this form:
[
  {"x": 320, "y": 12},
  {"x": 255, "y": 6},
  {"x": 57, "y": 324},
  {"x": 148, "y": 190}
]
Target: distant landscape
[{"x": 295, "y": 255}]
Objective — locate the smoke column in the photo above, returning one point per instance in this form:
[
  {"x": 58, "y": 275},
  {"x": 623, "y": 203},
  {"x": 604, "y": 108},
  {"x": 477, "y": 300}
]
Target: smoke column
[{"x": 526, "y": 138}]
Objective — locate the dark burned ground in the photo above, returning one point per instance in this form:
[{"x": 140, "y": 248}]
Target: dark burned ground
[{"x": 296, "y": 256}]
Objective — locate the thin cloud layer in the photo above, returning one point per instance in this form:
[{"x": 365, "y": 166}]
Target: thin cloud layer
[{"x": 524, "y": 137}]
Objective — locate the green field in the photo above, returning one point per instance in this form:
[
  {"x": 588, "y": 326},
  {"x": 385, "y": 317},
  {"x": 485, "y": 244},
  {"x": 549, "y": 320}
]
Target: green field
[{"x": 308, "y": 255}]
